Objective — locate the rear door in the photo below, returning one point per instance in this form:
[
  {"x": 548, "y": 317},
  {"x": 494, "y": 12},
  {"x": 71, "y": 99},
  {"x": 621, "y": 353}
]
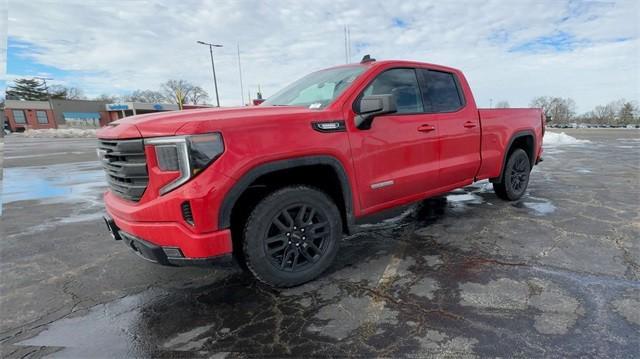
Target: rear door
[
  {"x": 458, "y": 127},
  {"x": 397, "y": 158}
]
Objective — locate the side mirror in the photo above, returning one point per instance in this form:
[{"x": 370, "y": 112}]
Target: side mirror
[{"x": 372, "y": 106}]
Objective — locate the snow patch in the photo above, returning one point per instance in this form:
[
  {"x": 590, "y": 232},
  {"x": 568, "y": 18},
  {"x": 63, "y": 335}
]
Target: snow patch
[
  {"x": 541, "y": 208},
  {"x": 560, "y": 139},
  {"x": 59, "y": 133},
  {"x": 467, "y": 197}
]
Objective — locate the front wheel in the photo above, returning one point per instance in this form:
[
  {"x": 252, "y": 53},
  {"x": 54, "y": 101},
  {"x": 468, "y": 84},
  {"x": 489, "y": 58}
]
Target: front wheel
[
  {"x": 292, "y": 236},
  {"x": 515, "y": 177}
]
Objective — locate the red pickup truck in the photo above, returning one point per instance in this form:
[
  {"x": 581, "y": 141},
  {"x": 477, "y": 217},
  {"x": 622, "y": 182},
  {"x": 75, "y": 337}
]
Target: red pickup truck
[{"x": 276, "y": 186}]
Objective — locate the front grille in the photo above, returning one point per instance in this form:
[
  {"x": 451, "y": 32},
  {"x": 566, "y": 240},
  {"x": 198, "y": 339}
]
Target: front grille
[{"x": 125, "y": 165}]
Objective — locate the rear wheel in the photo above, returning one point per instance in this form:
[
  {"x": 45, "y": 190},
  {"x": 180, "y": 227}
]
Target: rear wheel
[
  {"x": 292, "y": 236},
  {"x": 515, "y": 177}
]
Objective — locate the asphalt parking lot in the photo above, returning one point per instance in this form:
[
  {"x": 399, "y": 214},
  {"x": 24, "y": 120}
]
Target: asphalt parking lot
[{"x": 555, "y": 274}]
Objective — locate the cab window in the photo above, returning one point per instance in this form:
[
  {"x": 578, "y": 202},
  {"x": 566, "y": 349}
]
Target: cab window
[
  {"x": 441, "y": 92},
  {"x": 403, "y": 85}
]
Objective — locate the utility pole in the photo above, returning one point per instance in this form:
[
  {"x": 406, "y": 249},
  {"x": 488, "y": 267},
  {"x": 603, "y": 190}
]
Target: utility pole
[
  {"x": 213, "y": 68},
  {"x": 240, "y": 73},
  {"x": 490, "y": 103}
]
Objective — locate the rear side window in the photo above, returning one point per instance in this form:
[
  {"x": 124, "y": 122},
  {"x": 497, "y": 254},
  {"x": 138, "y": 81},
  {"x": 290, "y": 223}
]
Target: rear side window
[
  {"x": 441, "y": 92},
  {"x": 403, "y": 85}
]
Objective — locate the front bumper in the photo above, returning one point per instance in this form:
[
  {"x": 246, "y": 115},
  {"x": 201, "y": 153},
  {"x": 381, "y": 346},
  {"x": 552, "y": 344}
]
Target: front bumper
[{"x": 169, "y": 244}]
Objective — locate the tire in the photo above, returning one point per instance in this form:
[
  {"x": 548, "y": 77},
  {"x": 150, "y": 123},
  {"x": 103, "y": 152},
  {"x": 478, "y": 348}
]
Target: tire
[
  {"x": 515, "y": 176},
  {"x": 283, "y": 248}
]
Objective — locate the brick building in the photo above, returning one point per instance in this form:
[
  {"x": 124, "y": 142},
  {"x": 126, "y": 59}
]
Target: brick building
[
  {"x": 29, "y": 114},
  {"x": 58, "y": 113}
]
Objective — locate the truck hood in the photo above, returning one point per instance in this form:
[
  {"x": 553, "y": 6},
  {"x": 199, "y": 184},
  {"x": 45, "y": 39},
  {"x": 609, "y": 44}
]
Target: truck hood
[{"x": 169, "y": 123}]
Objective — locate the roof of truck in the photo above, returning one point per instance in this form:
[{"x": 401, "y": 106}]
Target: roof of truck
[{"x": 399, "y": 63}]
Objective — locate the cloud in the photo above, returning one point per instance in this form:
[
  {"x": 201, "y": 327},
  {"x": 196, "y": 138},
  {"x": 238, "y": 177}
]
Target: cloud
[
  {"x": 514, "y": 51},
  {"x": 557, "y": 42}
]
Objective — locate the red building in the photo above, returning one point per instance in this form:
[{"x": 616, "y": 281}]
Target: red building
[
  {"x": 58, "y": 113},
  {"x": 29, "y": 114}
]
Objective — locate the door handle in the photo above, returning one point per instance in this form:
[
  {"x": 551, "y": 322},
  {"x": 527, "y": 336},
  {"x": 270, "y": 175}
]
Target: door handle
[
  {"x": 426, "y": 128},
  {"x": 469, "y": 124}
]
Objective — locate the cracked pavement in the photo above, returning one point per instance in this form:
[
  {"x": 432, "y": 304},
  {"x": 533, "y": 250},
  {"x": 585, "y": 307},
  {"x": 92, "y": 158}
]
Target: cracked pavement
[{"x": 556, "y": 274}]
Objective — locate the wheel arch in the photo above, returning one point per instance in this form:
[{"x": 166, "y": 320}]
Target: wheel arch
[
  {"x": 525, "y": 139},
  {"x": 261, "y": 171}
]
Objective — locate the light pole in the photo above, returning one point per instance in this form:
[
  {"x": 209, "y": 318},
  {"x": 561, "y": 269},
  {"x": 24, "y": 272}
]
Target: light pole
[{"x": 213, "y": 68}]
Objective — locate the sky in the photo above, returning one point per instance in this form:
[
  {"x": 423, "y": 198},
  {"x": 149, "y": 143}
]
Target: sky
[{"x": 509, "y": 50}]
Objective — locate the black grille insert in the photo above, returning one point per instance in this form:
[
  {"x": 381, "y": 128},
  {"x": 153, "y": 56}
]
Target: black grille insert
[{"x": 125, "y": 165}]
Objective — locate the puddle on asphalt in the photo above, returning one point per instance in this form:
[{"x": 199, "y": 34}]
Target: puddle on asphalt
[
  {"x": 108, "y": 329},
  {"x": 78, "y": 184},
  {"x": 393, "y": 221},
  {"x": 67, "y": 182}
]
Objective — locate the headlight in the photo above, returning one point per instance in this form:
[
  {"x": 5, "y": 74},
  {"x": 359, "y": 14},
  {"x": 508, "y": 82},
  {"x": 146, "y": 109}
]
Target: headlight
[{"x": 187, "y": 154}]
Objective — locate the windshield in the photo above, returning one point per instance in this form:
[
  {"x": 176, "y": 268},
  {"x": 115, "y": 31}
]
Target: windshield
[{"x": 316, "y": 90}]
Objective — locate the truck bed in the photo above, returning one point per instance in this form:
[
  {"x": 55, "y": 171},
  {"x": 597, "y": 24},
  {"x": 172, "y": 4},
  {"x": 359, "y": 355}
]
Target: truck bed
[{"x": 498, "y": 127}]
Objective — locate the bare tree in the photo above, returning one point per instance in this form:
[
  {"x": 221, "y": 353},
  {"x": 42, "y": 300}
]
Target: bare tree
[
  {"x": 147, "y": 96},
  {"x": 502, "y": 104},
  {"x": 619, "y": 112},
  {"x": 177, "y": 91},
  {"x": 75, "y": 93},
  {"x": 108, "y": 98},
  {"x": 603, "y": 114},
  {"x": 198, "y": 95},
  {"x": 559, "y": 110}
]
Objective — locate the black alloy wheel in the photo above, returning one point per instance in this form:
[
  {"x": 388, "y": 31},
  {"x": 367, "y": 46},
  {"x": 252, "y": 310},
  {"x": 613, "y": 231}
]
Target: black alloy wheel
[
  {"x": 519, "y": 177},
  {"x": 292, "y": 236},
  {"x": 515, "y": 177},
  {"x": 297, "y": 237}
]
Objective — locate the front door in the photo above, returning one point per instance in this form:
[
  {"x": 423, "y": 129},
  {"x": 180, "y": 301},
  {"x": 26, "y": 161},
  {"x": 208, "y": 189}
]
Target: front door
[{"x": 397, "y": 158}]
